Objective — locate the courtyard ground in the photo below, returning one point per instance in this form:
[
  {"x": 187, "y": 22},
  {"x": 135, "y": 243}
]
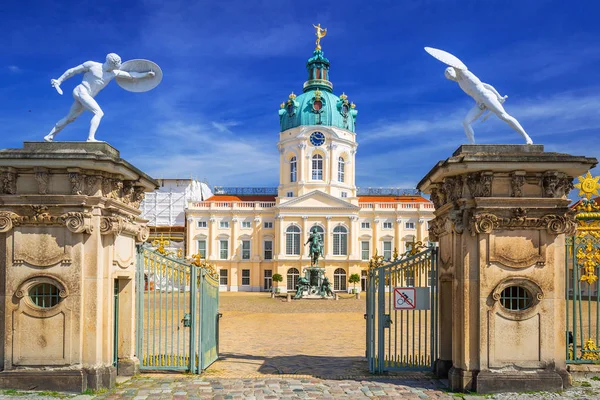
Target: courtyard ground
[{"x": 272, "y": 349}]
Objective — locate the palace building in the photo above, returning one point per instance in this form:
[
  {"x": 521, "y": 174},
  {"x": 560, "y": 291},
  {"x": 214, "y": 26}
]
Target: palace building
[{"x": 250, "y": 234}]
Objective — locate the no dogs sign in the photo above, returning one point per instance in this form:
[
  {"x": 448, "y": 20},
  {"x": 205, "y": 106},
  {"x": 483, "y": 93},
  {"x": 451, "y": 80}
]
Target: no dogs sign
[{"x": 411, "y": 298}]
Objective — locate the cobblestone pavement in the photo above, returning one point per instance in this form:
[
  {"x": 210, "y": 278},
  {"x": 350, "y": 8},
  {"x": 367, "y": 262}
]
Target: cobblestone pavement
[{"x": 272, "y": 349}]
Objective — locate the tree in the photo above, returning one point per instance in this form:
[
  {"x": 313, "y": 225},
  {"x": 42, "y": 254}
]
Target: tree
[
  {"x": 277, "y": 278},
  {"x": 354, "y": 278}
]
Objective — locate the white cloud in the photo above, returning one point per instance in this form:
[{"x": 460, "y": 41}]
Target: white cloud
[{"x": 14, "y": 68}]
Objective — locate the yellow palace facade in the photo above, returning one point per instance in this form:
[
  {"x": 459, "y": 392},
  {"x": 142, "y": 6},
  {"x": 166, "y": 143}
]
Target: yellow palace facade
[{"x": 250, "y": 234}]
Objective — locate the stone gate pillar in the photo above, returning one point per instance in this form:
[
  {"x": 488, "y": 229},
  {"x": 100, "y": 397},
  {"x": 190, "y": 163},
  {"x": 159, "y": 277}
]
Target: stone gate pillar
[
  {"x": 69, "y": 221},
  {"x": 501, "y": 216}
]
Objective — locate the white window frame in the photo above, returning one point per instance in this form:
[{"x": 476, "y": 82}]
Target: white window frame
[
  {"x": 340, "y": 279},
  {"x": 389, "y": 251},
  {"x": 223, "y": 274},
  {"x": 221, "y": 249},
  {"x": 246, "y": 224},
  {"x": 246, "y": 252},
  {"x": 409, "y": 226},
  {"x": 223, "y": 224},
  {"x": 363, "y": 250},
  {"x": 247, "y": 278},
  {"x": 292, "y": 240},
  {"x": 198, "y": 250},
  {"x": 202, "y": 224},
  {"x": 265, "y": 249},
  {"x": 388, "y": 225},
  {"x": 340, "y": 241},
  {"x": 268, "y": 225},
  {"x": 292, "y": 278},
  {"x": 344, "y": 194},
  {"x": 289, "y": 194},
  {"x": 293, "y": 169},
  {"x": 317, "y": 167},
  {"x": 267, "y": 279},
  {"x": 341, "y": 169},
  {"x": 365, "y": 225}
]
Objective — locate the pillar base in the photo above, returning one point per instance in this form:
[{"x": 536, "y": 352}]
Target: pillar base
[
  {"x": 461, "y": 380},
  {"x": 442, "y": 367},
  {"x": 128, "y": 366},
  {"x": 521, "y": 381},
  {"x": 59, "y": 380}
]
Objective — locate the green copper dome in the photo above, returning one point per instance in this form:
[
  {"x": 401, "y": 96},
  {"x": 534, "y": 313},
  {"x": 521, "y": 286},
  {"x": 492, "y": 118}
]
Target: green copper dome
[{"x": 317, "y": 105}]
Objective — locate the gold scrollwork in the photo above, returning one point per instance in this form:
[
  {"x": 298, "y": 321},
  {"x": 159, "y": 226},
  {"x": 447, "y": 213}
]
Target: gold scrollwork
[{"x": 589, "y": 260}]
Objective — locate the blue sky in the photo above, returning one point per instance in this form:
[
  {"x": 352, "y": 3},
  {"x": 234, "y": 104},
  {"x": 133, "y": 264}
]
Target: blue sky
[{"x": 229, "y": 64}]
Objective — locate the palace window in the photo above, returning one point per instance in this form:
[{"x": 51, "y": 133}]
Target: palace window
[
  {"x": 44, "y": 295},
  {"x": 341, "y": 169},
  {"x": 516, "y": 298},
  {"x": 268, "y": 225},
  {"x": 245, "y": 277},
  {"x": 364, "y": 250},
  {"x": 340, "y": 241},
  {"x": 387, "y": 250},
  {"x": 339, "y": 279},
  {"x": 292, "y": 241},
  {"x": 365, "y": 225},
  {"x": 223, "y": 249},
  {"x": 289, "y": 194},
  {"x": 245, "y": 249},
  {"x": 224, "y": 224},
  {"x": 293, "y": 169},
  {"x": 409, "y": 225},
  {"x": 344, "y": 194},
  {"x": 268, "y": 279},
  {"x": 317, "y": 167},
  {"x": 292, "y": 278},
  {"x": 388, "y": 225},
  {"x": 202, "y": 248},
  {"x": 246, "y": 224},
  {"x": 268, "y": 250},
  {"x": 223, "y": 277},
  {"x": 202, "y": 224}
]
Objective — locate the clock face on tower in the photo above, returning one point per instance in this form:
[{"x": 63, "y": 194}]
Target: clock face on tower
[{"x": 317, "y": 138}]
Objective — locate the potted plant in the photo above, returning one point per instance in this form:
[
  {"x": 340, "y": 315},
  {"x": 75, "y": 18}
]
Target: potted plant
[
  {"x": 354, "y": 278},
  {"x": 277, "y": 278}
]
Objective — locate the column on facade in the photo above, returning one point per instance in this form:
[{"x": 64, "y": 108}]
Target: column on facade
[
  {"x": 256, "y": 239},
  {"x": 189, "y": 240},
  {"x": 301, "y": 172},
  {"x": 332, "y": 164},
  {"x": 420, "y": 225},
  {"x": 376, "y": 237},
  {"x": 304, "y": 235},
  {"x": 328, "y": 237},
  {"x": 234, "y": 256},
  {"x": 211, "y": 240},
  {"x": 353, "y": 244},
  {"x": 398, "y": 236},
  {"x": 279, "y": 243}
]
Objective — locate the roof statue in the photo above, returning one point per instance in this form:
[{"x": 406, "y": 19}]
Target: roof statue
[
  {"x": 321, "y": 32},
  {"x": 485, "y": 95},
  {"x": 134, "y": 76}
]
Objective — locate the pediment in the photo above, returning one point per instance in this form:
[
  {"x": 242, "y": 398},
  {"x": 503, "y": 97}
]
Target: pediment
[{"x": 318, "y": 199}]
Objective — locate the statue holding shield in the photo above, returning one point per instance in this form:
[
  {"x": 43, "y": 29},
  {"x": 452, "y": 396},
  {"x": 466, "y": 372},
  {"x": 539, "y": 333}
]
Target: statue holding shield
[{"x": 134, "y": 76}]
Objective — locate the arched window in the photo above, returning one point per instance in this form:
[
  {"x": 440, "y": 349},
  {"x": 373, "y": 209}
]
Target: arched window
[
  {"x": 340, "y": 241},
  {"x": 339, "y": 279},
  {"x": 293, "y": 169},
  {"x": 292, "y": 278},
  {"x": 317, "y": 167},
  {"x": 292, "y": 241},
  {"x": 341, "y": 169}
]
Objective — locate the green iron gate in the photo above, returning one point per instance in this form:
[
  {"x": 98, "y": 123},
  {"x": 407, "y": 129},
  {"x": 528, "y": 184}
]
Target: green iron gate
[
  {"x": 177, "y": 313},
  {"x": 582, "y": 284},
  {"x": 402, "y": 312}
]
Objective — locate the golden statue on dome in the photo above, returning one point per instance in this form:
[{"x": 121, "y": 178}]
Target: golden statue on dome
[{"x": 321, "y": 32}]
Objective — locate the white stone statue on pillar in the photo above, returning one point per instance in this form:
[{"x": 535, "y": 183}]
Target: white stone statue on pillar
[
  {"x": 96, "y": 77},
  {"x": 485, "y": 95}
]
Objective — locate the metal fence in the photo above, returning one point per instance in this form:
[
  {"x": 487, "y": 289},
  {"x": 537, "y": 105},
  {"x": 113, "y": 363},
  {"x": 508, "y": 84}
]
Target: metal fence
[
  {"x": 582, "y": 286},
  {"x": 402, "y": 313},
  {"x": 177, "y": 313}
]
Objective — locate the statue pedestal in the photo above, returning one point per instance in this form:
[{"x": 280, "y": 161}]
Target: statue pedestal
[
  {"x": 69, "y": 221},
  {"x": 501, "y": 217}
]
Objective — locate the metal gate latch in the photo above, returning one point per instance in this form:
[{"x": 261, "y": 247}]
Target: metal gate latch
[
  {"x": 187, "y": 320},
  {"x": 387, "y": 321}
]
